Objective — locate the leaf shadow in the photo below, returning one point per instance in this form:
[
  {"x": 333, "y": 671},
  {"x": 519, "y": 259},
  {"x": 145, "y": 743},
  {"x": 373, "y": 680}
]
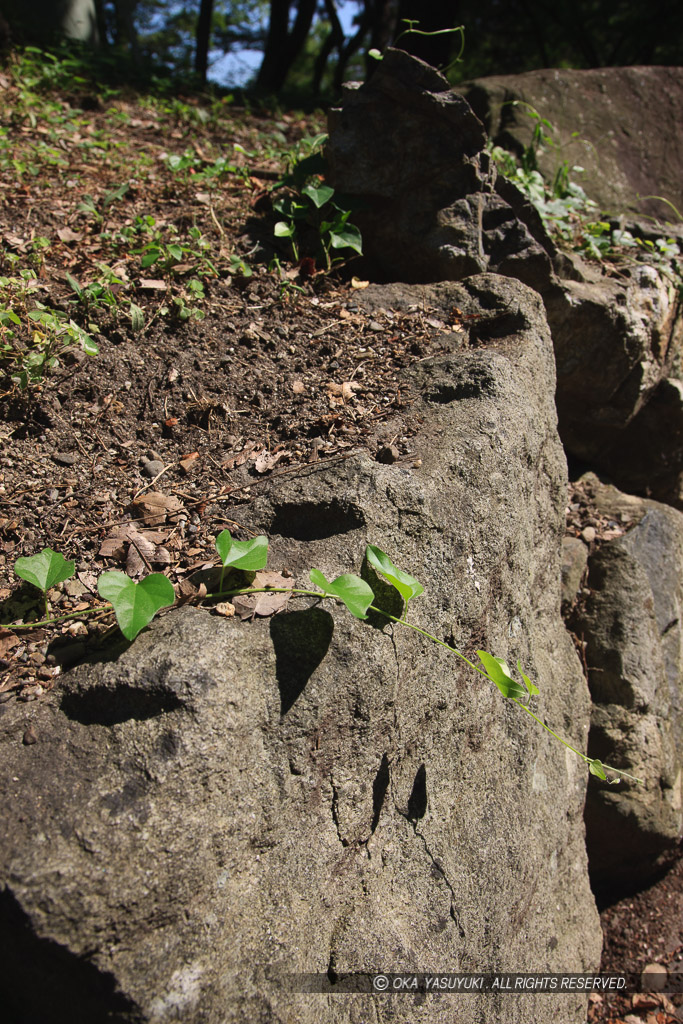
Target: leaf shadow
[{"x": 301, "y": 640}]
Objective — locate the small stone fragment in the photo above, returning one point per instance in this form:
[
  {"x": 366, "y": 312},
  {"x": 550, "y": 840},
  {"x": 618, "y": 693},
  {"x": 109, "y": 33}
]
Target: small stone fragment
[
  {"x": 588, "y": 534},
  {"x": 388, "y": 455},
  {"x": 654, "y": 977},
  {"x": 65, "y": 458},
  {"x": 30, "y": 736},
  {"x": 152, "y": 468},
  {"x": 225, "y": 608}
]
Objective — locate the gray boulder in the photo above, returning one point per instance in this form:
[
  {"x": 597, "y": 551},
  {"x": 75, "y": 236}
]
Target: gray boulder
[
  {"x": 433, "y": 208},
  {"x": 620, "y": 124},
  {"x": 631, "y": 625},
  {"x": 412, "y": 151},
  {"x": 225, "y": 804}
]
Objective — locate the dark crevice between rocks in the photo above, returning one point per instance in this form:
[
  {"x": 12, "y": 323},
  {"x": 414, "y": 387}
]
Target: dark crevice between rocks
[
  {"x": 301, "y": 641},
  {"x": 309, "y": 520},
  {"x": 70, "y": 988},
  {"x": 379, "y": 791},
  {"x": 100, "y": 706}
]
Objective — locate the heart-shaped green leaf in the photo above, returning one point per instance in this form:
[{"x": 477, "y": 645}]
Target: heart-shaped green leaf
[
  {"x": 406, "y": 584},
  {"x": 318, "y": 194},
  {"x": 349, "y": 238},
  {"x": 531, "y": 687},
  {"x": 250, "y": 555},
  {"x": 135, "y": 604},
  {"x": 44, "y": 570},
  {"x": 498, "y": 672},
  {"x": 351, "y": 590}
]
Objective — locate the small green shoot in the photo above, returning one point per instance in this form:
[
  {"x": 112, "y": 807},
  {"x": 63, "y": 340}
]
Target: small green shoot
[
  {"x": 497, "y": 670},
  {"x": 350, "y": 590},
  {"x": 135, "y": 604},
  {"x": 407, "y": 586},
  {"x": 248, "y": 555},
  {"x": 45, "y": 570}
]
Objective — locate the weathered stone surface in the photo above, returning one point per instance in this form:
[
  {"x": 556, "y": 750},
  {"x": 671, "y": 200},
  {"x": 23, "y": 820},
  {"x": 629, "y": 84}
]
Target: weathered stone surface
[
  {"x": 627, "y": 124},
  {"x": 227, "y": 803},
  {"x": 631, "y": 623},
  {"x": 614, "y": 340},
  {"x": 434, "y": 209},
  {"x": 648, "y": 455},
  {"x": 574, "y": 562},
  {"x": 413, "y": 151}
]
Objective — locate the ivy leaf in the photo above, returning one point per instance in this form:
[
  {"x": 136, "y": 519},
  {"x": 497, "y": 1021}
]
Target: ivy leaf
[
  {"x": 595, "y": 767},
  {"x": 242, "y": 554},
  {"x": 318, "y": 194},
  {"x": 497, "y": 670},
  {"x": 349, "y": 238},
  {"x": 45, "y": 569},
  {"x": 283, "y": 230},
  {"x": 406, "y": 584},
  {"x": 135, "y": 604},
  {"x": 531, "y": 687},
  {"x": 350, "y": 590}
]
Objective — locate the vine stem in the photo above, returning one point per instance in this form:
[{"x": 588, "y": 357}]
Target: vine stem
[
  {"x": 321, "y": 595},
  {"x": 430, "y": 636}
]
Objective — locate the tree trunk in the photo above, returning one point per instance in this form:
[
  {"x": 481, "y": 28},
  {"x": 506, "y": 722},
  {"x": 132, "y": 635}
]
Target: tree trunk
[
  {"x": 283, "y": 44},
  {"x": 201, "y": 59}
]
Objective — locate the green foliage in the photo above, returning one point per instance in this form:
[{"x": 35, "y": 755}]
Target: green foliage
[
  {"x": 135, "y": 604},
  {"x": 407, "y": 586},
  {"x": 351, "y": 590},
  {"x": 33, "y": 337},
  {"x": 314, "y": 216},
  {"x": 44, "y": 570},
  {"x": 569, "y": 216},
  {"x": 250, "y": 555}
]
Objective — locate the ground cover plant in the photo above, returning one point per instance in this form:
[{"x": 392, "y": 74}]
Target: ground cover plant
[
  {"x": 573, "y": 219},
  {"x": 135, "y": 605},
  {"x": 162, "y": 353}
]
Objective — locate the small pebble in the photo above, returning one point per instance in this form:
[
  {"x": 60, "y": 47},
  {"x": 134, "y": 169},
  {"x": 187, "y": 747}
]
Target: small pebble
[
  {"x": 65, "y": 458},
  {"x": 654, "y": 977},
  {"x": 588, "y": 534},
  {"x": 30, "y": 736},
  {"x": 152, "y": 468},
  {"x": 388, "y": 455}
]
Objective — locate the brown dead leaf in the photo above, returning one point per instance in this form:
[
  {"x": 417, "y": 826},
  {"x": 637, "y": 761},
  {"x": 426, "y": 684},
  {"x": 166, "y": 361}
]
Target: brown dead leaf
[
  {"x": 15, "y": 241},
  {"x": 156, "y": 508},
  {"x": 249, "y": 605},
  {"x": 267, "y": 460},
  {"x": 114, "y": 545},
  {"x": 67, "y": 235},
  {"x": 140, "y": 554},
  {"x": 187, "y": 591},
  {"x": 7, "y": 642},
  {"x": 225, "y": 608},
  {"x": 340, "y": 394}
]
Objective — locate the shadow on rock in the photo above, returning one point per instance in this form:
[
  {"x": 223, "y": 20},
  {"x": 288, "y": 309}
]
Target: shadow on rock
[{"x": 301, "y": 641}]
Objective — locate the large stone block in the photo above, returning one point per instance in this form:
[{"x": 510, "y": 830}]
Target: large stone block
[{"x": 226, "y": 803}]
